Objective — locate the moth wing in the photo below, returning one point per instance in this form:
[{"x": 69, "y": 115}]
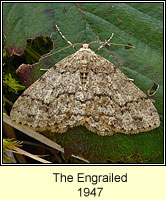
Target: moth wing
[
  {"x": 47, "y": 103},
  {"x": 119, "y": 105}
]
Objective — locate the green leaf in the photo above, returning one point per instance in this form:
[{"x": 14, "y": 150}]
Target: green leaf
[
  {"x": 138, "y": 24},
  {"x": 9, "y": 144},
  {"x": 12, "y": 84}
]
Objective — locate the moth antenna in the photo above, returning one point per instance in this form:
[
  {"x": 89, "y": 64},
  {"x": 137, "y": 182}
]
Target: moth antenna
[
  {"x": 109, "y": 44},
  {"x": 105, "y": 43},
  {"x": 61, "y": 34}
]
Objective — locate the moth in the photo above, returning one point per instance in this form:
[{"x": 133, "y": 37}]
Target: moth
[{"x": 85, "y": 89}]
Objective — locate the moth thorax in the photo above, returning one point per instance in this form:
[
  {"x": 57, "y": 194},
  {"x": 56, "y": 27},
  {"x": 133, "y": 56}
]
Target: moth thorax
[{"x": 84, "y": 63}]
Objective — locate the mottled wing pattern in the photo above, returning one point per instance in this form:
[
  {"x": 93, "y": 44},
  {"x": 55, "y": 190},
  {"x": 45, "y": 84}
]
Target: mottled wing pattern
[
  {"x": 118, "y": 105},
  {"x": 85, "y": 89},
  {"x": 48, "y": 102}
]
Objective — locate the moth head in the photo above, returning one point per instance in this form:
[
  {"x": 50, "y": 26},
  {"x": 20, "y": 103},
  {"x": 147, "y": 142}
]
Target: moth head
[{"x": 86, "y": 46}]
